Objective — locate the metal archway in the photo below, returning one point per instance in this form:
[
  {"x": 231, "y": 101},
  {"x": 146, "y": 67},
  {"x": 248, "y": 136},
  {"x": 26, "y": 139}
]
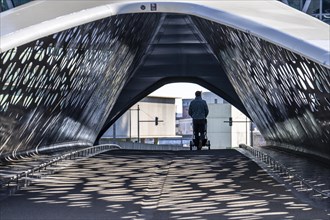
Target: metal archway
[{"x": 67, "y": 74}]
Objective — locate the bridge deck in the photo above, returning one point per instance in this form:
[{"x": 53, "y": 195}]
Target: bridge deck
[{"x": 218, "y": 184}]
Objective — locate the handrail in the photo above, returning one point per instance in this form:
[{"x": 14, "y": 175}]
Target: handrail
[
  {"x": 277, "y": 166},
  {"x": 73, "y": 155}
]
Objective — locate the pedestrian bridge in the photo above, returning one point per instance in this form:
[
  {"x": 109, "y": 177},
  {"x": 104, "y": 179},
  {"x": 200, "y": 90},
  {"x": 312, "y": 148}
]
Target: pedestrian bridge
[
  {"x": 122, "y": 184},
  {"x": 69, "y": 70}
]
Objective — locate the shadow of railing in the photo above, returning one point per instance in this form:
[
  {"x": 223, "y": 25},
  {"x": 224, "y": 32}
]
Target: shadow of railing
[
  {"x": 288, "y": 175},
  {"x": 14, "y": 180},
  {"x": 160, "y": 185}
]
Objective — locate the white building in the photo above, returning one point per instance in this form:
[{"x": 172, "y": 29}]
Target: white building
[
  {"x": 220, "y": 134},
  {"x": 129, "y": 127}
]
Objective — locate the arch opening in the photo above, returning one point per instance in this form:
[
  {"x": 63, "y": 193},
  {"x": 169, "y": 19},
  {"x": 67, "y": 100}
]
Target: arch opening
[{"x": 169, "y": 104}]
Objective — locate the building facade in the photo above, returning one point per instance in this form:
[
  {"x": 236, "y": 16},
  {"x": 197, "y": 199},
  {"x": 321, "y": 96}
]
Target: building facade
[{"x": 139, "y": 122}]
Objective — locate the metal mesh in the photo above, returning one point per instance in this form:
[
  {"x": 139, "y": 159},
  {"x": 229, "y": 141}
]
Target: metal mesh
[
  {"x": 61, "y": 88},
  {"x": 286, "y": 95}
]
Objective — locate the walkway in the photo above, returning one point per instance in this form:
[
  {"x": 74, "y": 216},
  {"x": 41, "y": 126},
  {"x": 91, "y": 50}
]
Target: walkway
[
  {"x": 217, "y": 184},
  {"x": 312, "y": 170}
]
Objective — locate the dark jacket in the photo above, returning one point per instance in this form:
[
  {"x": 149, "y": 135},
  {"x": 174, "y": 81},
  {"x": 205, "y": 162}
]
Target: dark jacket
[{"x": 198, "y": 108}]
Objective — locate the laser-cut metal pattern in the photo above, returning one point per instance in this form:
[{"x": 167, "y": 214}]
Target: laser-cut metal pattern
[
  {"x": 286, "y": 95},
  {"x": 59, "y": 89}
]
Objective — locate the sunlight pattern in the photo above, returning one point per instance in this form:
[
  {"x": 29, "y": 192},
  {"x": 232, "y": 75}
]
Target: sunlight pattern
[{"x": 178, "y": 185}]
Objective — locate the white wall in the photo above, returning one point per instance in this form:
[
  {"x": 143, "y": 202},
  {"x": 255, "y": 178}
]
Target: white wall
[
  {"x": 219, "y": 132},
  {"x": 240, "y": 129},
  {"x": 148, "y": 111},
  {"x": 126, "y": 126}
]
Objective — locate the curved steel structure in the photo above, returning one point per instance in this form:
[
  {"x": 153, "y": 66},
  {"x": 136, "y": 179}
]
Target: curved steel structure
[{"x": 68, "y": 74}]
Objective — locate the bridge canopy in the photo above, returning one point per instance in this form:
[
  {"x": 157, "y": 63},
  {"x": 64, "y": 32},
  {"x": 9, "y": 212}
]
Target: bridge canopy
[
  {"x": 70, "y": 70},
  {"x": 271, "y": 20}
]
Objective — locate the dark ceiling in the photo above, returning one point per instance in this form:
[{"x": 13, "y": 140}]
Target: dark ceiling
[{"x": 177, "y": 53}]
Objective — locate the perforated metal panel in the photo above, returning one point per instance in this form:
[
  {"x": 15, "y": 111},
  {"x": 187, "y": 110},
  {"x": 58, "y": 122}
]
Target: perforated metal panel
[
  {"x": 60, "y": 88},
  {"x": 286, "y": 95}
]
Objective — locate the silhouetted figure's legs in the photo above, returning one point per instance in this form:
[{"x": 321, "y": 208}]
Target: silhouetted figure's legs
[{"x": 199, "y": 128}]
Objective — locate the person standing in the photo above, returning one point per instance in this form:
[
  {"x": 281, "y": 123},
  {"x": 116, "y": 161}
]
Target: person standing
[{"x": 199, "y": 111}]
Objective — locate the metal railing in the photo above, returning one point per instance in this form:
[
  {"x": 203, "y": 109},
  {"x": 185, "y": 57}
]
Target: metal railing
[
  {"x": 73, "y": 155},
  {"x": 282, "y": 171}
]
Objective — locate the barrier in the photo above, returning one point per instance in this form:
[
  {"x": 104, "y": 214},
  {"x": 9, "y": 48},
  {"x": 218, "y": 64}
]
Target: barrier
[
  {"x": 285, "y": 172},
  {"x": 142, "y": 146},
  {"x": 73, "y": 155}
]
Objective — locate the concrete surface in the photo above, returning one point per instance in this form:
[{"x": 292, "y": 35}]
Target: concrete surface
[{"x": 216, "y": 184}]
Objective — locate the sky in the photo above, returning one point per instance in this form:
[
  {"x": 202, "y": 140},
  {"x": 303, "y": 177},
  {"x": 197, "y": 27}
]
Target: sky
[{"x": 179, "y": 91}]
